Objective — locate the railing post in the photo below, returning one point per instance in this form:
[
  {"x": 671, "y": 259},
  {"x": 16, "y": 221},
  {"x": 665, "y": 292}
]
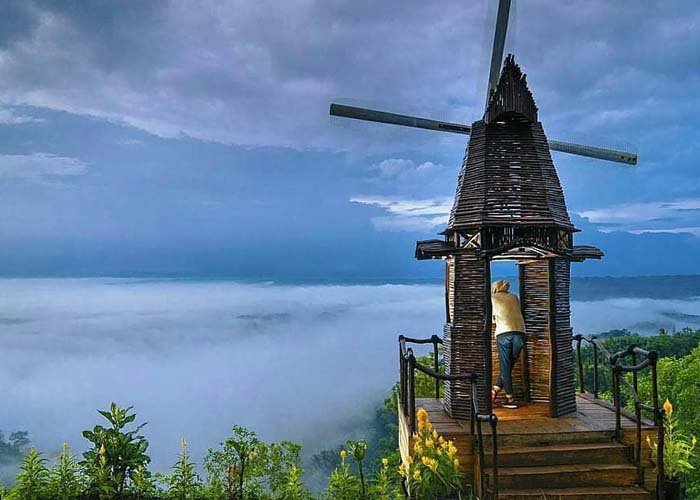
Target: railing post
[
  {"x": 493, "y": 420},
  {"x": 660, "y": 473},
  {"x": 653, "y": 357},
  {"x": 402, "y": 376},
  {"x": 617, "y": 373},
  {"x": 412, "y": 390},
  {"x": 581, "y": 385},
  {"x": 595, "y": 368},
  {"x": 638, "y": 444},
  {"x": 436, "y": 364},
  {"x": 634, "y": 373}
]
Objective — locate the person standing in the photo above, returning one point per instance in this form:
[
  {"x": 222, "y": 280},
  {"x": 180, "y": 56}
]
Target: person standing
[{"x": 510, "y": 336}]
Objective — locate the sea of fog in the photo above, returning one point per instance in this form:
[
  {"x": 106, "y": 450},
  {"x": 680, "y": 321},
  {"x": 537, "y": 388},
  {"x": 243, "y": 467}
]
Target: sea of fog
[{"x": 302, "y": 362}]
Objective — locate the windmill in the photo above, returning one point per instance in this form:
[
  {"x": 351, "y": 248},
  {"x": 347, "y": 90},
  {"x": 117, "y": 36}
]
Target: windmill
[{"x": 378, "y": 116}]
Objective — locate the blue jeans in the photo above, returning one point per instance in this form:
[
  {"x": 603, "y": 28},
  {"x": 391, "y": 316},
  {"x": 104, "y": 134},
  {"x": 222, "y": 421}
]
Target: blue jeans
[{"x": 509, "y": 346}]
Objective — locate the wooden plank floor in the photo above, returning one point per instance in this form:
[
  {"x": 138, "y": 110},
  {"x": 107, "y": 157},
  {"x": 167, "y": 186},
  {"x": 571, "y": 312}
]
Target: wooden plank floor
[{"x": 590, "y": 415}]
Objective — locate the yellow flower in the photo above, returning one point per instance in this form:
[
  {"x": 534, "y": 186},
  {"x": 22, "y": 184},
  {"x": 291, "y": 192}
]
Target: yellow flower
[
  {"x": 668, "y": 407},
  {"x": 402, "y": 470},
  {"x": 418, "y": 449},
  {"x": 385, "y": 462},
  {"x": 428, "y": 443},
  {"x": 343, "y": 455},
  {"x": 435, "y": 434},
  {"x": 416, "y": 474},
  {"x": 409, "y": 460},
  {"x": 430, "y": 463},
  {"x": 439, "y": 452},
  {"x": 456, "y": 463},
  {"x": 423, "y": 420},
  {"x": 451, "y": 449}
]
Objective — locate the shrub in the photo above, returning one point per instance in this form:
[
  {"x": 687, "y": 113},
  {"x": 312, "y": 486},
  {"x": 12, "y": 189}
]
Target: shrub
[{"x": 118, "y": 458}]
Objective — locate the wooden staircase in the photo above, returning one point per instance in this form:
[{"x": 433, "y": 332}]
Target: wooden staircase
[{"x": 567, "y": 466}]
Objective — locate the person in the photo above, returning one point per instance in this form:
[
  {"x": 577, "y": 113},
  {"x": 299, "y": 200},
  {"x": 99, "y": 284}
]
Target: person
[{"x": 510, "y": 336}]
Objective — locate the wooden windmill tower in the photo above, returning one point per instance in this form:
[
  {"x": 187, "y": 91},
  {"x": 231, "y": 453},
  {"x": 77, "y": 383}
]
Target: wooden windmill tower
[{"x": 509, "y": 205}]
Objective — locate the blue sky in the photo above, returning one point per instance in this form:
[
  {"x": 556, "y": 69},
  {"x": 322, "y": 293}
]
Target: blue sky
[{"x": 182, "y": 138}]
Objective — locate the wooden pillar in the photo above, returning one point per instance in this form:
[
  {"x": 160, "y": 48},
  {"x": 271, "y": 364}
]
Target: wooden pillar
[
  {"x": 535, "y": 302},
  {"x": 562, "y": 381},
  {"x": 467, "y": 338}
]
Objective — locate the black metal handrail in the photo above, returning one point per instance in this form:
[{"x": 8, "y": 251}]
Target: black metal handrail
[
  {"x": 407, "y": 399},
  {"x": 649, "y": 360}
]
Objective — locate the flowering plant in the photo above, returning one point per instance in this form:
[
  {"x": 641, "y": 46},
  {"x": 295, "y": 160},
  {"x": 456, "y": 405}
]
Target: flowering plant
[
  {"x": 678, "y": 449},
  {"x": 432, "y": 470}
]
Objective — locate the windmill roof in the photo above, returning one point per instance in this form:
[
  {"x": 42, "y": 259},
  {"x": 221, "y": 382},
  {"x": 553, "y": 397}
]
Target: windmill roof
[{"x": 508, "y": 177}]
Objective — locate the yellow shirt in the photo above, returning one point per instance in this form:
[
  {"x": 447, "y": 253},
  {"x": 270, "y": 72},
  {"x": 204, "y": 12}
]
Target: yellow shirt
[{"x": 507, "y": 313}]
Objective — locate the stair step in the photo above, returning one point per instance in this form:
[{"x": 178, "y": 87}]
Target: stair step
[
  {"x": 609, "y": 493},
  {"x": 566, "y": 476},
  {"x": 543, "y": 439},
  {"x": 562, "y": 454}
]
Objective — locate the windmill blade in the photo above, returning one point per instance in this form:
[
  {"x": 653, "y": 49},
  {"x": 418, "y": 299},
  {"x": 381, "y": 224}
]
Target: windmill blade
[
  {"x": 499, "y": 42},
  {"x": 594, "y": 152},
  {"x": 373, "y": 115}
]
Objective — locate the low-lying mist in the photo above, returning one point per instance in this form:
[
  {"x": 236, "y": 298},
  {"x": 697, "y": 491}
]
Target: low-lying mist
[{"x": 306, "y": 363}]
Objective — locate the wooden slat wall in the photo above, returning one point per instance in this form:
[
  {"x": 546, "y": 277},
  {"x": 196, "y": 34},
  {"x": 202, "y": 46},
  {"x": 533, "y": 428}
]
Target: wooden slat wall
[
  {"x": 466, "y": 342},
  {"x": 534, "y": 286},
  {"x": 564, "y": 390}
]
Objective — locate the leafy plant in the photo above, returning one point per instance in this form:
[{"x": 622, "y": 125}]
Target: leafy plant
[
  {"x": 32, "y": 479},
  {"x": 358, "y": 450},
  {"x": 433, "y": 469},
  {"x": 65, "y": 481},
  {"x": 343, "y": 485},
  {"x": 678, "y": 449},
  {"x": 384, "y": 487},
  {"x": 233, "y": 471},
  {"x": 184, "y": 483},
  {"x": 118, "y": 457}
]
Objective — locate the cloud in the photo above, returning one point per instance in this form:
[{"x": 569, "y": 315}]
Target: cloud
[
  {"x": 406, "y": 214},
  {"x": 680, "y": 216},
  {"x": 8, "y": 116},
  {"x": 406, "y": 170},
  {"x": 40, "y": 166},
  {"x": 262, "y": 73}
]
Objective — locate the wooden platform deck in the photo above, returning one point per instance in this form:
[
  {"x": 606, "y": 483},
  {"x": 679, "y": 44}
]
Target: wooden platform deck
[{"x": 539, "y": 452}]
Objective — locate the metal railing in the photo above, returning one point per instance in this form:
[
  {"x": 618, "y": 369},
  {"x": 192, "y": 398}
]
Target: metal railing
[
  {"x": 407, "y": 401},
  {"x": 640, "y": 360}
]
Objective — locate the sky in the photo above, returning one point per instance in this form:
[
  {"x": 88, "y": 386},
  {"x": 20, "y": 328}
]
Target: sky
[{"x": 193, "y": 139}]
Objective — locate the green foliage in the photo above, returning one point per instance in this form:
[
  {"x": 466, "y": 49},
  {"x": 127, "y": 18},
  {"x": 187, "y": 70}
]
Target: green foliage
[
  {"x": 32, "y": 479},
  {"x": 343, "y": 485},
  {"x": 433, "y": 469},
  {"x": 386, "y": 482},
  {"x": 678, "y": 449},
  {"x": 118, "y": 457},
  {"x": 184, "y": 482},
  {"x": 65, "y": 480},
  {"x": 233, "y": 471},
  {"x": 358, "y": 451}
]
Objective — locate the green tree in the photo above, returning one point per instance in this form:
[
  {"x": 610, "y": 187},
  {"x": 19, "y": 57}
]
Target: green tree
[
  {"x": 233, "y": 471},
  {"x": 118, "y": 457}
]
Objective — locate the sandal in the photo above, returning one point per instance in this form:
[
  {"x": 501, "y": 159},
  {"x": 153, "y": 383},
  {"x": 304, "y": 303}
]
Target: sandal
[
  {"x": 494, "y": 395},
  {"x": 510, "y": 403}
]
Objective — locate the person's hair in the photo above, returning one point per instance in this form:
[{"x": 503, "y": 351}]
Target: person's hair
[{"x": 500, "y": 286}]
